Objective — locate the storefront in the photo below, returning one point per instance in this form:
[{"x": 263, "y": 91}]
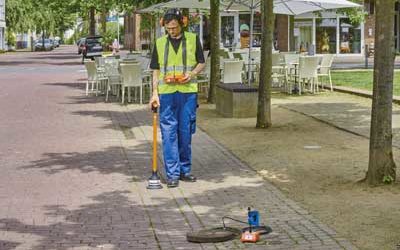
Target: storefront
[
  {"x": 369, "y": 27},
  {"x": 233, "y": 24},
  {"x": 329, "y": 33}
]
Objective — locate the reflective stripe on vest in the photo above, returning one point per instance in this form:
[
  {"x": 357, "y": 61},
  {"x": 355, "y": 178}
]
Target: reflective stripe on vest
[{"x": 175, "y": 64}]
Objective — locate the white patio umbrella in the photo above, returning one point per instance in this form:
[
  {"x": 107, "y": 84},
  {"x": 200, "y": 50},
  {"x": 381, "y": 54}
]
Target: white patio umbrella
[
  {"x": 286, "y": 7},
  {"x": 153, "y": 8},
  {"x": 191, "y": 4},
  {"x": 290, "y": 7}
]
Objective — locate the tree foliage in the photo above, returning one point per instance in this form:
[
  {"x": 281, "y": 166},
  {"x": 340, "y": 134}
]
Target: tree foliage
[
  {"x": 53, "y": 16},
  {"x": 356, "y": 15}
]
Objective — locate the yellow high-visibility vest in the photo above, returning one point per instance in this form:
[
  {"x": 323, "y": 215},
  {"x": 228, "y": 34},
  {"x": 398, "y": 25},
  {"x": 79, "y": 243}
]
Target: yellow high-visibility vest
[{"x": 172, "y": 63}]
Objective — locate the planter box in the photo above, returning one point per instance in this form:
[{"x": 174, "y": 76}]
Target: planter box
[{"x": 236, "y": 100}]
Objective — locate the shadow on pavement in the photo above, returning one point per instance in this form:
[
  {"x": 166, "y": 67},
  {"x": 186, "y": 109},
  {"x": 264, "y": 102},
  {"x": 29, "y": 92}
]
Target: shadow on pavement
[
  {"x": 8, "y": 245},
  {"x": 351, "y": 117},
  {"x": 111, "y": 160},
  {"x": 115, "y": 219},
  {"x": 112, "y": 219}
]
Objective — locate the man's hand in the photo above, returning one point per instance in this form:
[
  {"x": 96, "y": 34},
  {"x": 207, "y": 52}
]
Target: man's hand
[
  {"x": 154, "y": 101},
  {"x": 187, "y": 77}
]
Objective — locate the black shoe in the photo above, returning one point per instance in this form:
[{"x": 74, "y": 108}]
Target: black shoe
[
  {"x": 172, "y": 183},
  {"x": 188, "y": 178}
]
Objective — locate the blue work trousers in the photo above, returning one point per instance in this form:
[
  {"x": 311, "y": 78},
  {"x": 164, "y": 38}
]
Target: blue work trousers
[{"x": 177, "y": 123}]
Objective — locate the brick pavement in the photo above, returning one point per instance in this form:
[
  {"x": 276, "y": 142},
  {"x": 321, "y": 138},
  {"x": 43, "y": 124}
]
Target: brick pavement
[{"x": 74, "y": 173}]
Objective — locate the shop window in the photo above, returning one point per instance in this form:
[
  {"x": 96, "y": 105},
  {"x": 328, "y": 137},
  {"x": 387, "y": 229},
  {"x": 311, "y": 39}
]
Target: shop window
[
  {"x": 303, "y": 34},
  {"x": 326, "y": 35},
  {"x": 350, "y": 37},
  {"x": 244, "y": 28},
  {"x": 228, "y": 31}
]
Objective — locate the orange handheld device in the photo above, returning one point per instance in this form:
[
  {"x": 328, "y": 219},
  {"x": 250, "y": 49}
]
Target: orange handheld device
[
  {"x": 171, "y": 79},
  {"x": 250, "y": 237}
]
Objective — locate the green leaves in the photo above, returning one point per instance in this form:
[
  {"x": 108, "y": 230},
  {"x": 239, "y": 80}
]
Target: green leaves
[
  {"x": 15, "y": 10},
  {"x": 356, "y": 15},
  {"x": 54, "y": 16}
]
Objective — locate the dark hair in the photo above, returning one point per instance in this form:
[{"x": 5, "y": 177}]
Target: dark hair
[{"x": 173, "y": 14}]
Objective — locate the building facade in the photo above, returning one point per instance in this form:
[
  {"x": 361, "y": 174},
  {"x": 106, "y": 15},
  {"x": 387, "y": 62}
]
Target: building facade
[
  {"x": 325, "y": 33},
  {"x": 369, "y": 27},
  {"x": 328, "y": 33},
  {"x": 2, "y": 24}
]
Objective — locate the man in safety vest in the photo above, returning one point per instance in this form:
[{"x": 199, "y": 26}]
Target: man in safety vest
[{"x": 177, "y": 59}]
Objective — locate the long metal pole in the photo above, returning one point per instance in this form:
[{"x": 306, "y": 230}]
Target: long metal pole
[
  {"x": 118, "y": 28},
  {"x": 118, "y": 23},
  {"x": 251, "y": 41},
  {"x": 154, "y": 140}
]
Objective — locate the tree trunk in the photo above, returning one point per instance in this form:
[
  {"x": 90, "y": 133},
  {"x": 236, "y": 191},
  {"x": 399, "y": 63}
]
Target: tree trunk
[
  {"x": 214, "y": 47},
  {"x": 130, "y": 29},
  {"x": 185, "y": 12},
  {"x": 92, "y": 21},
  {"x": 381, "y": 167},
  {"x": 264, "y": 87},
  {"x": 85, "y": 25},
  {"x": 103, "y": 18},
  {"x": 43, "y": 37},
  {"x": 291, "y": 34}
]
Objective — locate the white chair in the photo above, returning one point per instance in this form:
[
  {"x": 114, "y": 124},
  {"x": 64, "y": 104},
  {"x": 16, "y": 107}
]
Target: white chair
[
  {"x": 132, "y": 78},
  {"x": 222, "y": 62},
  {"x": 253, "y": 67},
  {"x": 308, "y": 71},
  {"x": 278, "y": 69},
  {"x": 245, "y": 57},
  {"x": 232, "y": 72},
  {"x": 255, "y": 56},
  {"x": 99, "y": 61},
  {"x": 290, "y": 60},
  {"x": 325, "y": 68},
  {"x": 203, "y": 79},
  {"x": 113, "y": 76},
  {"x": 100, "y": 71},
  {"x": 93, "y": 78}
]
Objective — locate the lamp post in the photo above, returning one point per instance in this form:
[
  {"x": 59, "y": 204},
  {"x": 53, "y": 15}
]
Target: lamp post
[
  {"x": 118, "y": 27},
  {"x": 118, "y": 22}
]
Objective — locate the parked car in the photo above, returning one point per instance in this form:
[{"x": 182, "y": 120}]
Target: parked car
[
  {"x": 56, "y": 43},
  {"x": 46, "y": 46},
  {"x": 92, "y": 47},
  {"x": 80, "y": 44}
]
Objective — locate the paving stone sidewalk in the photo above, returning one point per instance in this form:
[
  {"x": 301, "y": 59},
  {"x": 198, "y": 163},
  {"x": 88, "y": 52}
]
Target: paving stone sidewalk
[
  {"x": 101, "y": 201},
  {"x": 226, "y": 186}
]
